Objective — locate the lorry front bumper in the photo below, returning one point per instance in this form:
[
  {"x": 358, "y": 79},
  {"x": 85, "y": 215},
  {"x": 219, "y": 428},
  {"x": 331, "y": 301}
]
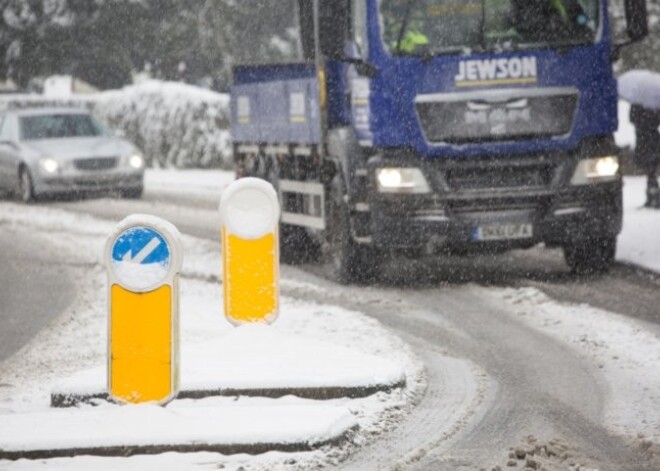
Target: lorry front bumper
[{"x": 553, "y": 216}]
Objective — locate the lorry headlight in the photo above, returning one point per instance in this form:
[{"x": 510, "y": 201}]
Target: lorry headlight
[
  {"x": 401, "y": 180},
  {"x": 49, "y": 165},
  {"x": 136, "y": 161},
  {"x": 601, "y": 169}
]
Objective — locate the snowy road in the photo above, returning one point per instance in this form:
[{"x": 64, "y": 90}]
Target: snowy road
[
  {"x": 536, "y": 387},
  {"x": 28, "y": 274},
  {"x": 550, "y": 356}
]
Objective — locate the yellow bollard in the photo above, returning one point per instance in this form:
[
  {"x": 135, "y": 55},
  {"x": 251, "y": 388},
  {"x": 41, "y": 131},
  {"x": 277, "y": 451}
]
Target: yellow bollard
[
  {"x": 143, "y": 260},
  {"x": 250, "y": 213}
]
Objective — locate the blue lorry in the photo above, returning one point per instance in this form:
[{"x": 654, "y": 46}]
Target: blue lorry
[{"x": 430, "y": 126}]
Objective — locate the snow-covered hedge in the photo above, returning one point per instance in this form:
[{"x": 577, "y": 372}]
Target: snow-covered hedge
[{"x": 174, "y": 124}]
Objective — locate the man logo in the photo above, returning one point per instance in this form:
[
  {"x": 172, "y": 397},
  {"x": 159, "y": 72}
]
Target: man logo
[
  {"x": 498, "y": 116},
  {"x": 515, "y": 70}
]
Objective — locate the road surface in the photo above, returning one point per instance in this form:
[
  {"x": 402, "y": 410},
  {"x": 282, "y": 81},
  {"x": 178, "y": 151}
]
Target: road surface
[{"x": 35, "y": 287}]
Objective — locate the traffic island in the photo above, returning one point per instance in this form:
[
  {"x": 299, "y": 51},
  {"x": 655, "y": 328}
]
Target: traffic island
[
  {"x": 258, "y": 360},
  {"x": 150, "y": 369},
  {"x": 151, "y": 429}
]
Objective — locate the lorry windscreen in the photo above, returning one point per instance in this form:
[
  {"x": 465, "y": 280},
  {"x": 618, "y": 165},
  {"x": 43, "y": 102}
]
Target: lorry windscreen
[{"x": 430, "y": 27}]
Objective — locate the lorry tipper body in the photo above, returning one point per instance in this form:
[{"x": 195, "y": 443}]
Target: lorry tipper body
[{"x": 423, "y": 126}]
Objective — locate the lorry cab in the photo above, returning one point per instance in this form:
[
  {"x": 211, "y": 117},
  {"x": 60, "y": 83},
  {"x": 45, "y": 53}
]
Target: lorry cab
[
  {"x": 463, "y": 124},
  {"x": 498, "y": 80}
]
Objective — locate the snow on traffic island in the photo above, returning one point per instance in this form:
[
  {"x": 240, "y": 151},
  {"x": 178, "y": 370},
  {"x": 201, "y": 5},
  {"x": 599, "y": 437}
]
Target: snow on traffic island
[
  {"x": 311, "y": 345},
  {"x": 256, "y": 360},
  {"x": 150, "y": 429}
]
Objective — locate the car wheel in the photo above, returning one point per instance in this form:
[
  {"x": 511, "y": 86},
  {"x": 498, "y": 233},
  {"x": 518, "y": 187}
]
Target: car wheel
[
  {"x": 25, "y": 186},
  {"x": 590, "y": 256}
]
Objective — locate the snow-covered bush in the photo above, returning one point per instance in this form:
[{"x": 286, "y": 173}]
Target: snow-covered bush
[{"x": 174, "y": 124}]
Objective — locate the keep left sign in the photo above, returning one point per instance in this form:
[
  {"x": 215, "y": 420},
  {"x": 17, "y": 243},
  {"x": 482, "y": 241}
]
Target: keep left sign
[{"x": 143, "y": 260}]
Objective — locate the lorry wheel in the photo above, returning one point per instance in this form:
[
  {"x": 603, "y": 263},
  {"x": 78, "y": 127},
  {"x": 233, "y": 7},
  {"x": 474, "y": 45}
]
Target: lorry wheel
[
  {"x": 590, "y": 256},
  {"x": 296, "y": 246},
  {"x": 350, "y": 261}
]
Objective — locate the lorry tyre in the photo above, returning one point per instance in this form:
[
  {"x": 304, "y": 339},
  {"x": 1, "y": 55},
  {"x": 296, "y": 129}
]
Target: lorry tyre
[
  {"x": 350, "y": 261},
  {"x": 296, "y": 245},
  {"x": 590, "y": 256}
]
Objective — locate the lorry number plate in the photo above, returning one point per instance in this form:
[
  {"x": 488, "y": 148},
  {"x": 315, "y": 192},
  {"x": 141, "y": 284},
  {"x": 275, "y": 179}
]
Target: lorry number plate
[{"x": 503, "y": 232}]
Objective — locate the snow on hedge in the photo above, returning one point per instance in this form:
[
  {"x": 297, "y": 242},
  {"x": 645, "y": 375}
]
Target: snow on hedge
[{"x": 174, "y": 124}]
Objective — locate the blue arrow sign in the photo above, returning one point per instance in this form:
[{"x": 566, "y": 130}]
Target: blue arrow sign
[{"x": 141, "y": 245}]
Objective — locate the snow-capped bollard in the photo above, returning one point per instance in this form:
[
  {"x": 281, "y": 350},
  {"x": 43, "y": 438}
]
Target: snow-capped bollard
[
  {"x": 250, "y": 214},
  {"x": 143, "y": 258}
]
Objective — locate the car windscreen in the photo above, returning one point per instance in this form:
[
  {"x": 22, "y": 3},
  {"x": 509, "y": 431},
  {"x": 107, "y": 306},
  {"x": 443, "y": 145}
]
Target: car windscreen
[
  {"x": 55, "y": 126},
  {"x": 441, "y": 26}
]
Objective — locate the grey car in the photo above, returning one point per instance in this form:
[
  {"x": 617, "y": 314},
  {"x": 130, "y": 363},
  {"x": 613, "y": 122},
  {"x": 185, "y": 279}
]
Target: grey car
[{"x": 51, "y": 151}]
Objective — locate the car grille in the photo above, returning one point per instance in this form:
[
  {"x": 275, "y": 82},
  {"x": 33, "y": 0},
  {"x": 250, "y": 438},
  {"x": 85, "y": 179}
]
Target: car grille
[{"x": 100, "y": 163}]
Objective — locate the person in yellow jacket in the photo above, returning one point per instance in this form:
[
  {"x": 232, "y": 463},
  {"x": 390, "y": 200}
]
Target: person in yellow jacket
[
  {"x": 560, "y": 9},
  {"x": 412, "y": 40},
  {"x": 403, "y": 25}
]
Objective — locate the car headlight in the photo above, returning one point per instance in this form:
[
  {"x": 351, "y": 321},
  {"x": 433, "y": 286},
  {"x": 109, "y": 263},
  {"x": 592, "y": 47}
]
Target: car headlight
[
  {"x": 401, "y": 180},
  {"x": 601, "y": 169},
  {"x": 49, "y": 165},
  {"x": 136, "y": 161}
]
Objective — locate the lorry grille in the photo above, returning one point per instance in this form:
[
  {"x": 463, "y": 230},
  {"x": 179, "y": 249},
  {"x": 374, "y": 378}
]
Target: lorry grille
[
  {"x": 99, "y": 163},
  {"x": 481, "y": 178},
  {"x": 502, "y": 183},
  {"x": 493, "y": 204},
  {"x": 496, "y": 115}
]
